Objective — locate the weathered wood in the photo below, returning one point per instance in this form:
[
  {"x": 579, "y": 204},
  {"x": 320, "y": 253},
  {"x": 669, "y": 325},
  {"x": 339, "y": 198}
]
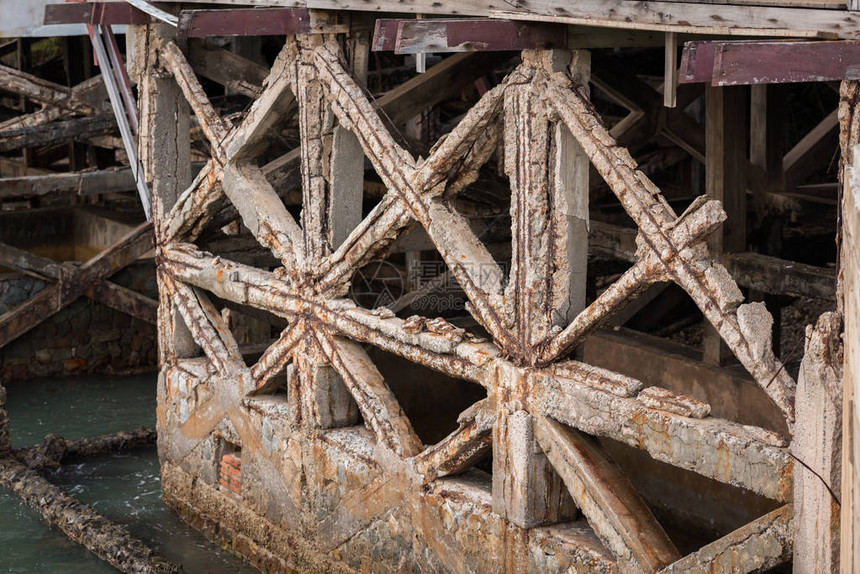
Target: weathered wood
[
  {"x": 778, "y": 276},
  {"x": 74, "y": 282},
  {"x": 228, "y": 69},
  {"x": 695, "y": 18},
  {"x": 670, "y": 70},
  {"x": 28, "y": 262},
  {"x": 757, "y": 547},
  {"x": 815, "y": 150},
  {"x": 732, "y": 63},
  {"x": 79, "y": 129},
  {"x": 614, "y": 509},
  {"x": 468, "y": 35},
  {"x": 39, "y": 90},
  {"x": 818, "y": 444},
  {"x": 124, "y": 300},
  {"x": 447, "y": 78}
]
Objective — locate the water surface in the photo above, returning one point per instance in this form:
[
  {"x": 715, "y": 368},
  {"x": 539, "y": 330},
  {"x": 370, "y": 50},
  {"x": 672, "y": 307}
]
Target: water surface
[{"x": 125, "y": 487}]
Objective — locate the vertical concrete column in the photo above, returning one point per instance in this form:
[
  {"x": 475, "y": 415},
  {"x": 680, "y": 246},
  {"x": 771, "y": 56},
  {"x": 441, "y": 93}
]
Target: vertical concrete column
[
  {"x": 165, "y": 152},
  {"x": 818, "y": 443},
  {"x": 570, "y": 187},
  {"x": 849, "y": 292},
  {"x": 527, "y": 491}
]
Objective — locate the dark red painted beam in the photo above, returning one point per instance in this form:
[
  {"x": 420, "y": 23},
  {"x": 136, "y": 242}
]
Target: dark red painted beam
[
  {"x": 244, "y": 22},
  {"x": 411, "y": 36},
  {"x": 731, "y": 63},
  {"x": 94, "y": 13},
  {"x": 194, "y": 23}
]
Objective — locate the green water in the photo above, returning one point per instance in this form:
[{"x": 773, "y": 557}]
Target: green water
[{"x": 125, "y": 488}]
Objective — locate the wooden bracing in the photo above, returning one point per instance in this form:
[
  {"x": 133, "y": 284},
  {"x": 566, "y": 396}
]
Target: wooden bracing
[
  {"x": 69, "y": 281},
  {"x": 541, "y": 405}
]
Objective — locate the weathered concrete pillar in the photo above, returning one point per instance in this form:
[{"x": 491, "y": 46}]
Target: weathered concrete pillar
[
  {"x": 165, "y": 153},
  {"x": 818, "y": 446},
  {"x": 848, "y": 298}
]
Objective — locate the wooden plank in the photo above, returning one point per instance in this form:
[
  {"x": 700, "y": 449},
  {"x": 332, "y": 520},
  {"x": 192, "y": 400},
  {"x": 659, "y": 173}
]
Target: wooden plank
[
  {"x": 670, "y": 70},
  {"x": 695, "y": 18},
  {"x": 728, "y": 63},
  {"x": 473, "y": 35},
  {"x": 849, "y": 304},
  {"x": 28, "y": 262},
  {"x": 244, "y": 22},
  {"x": 614, "y": 509},
  {"x": 42, "y": 91},
  {"x": 112, "y": 180}
]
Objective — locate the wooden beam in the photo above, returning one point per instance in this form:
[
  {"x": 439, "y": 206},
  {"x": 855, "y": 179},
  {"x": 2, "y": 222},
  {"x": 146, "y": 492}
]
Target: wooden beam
[
  {"x": 779, "y": 276},
  {"x": 73, "y": 282},
  {"x": 78, "y": 129},
  {"x": 815, "y": 151},
  {"x": 411, "y": 36},
  {"x": 226, "y": 68},
  {"x": 732, "y": 63},
  {"x": 244, "y": 22},
  {"x": 693, "y": 18},
  {"x": 848, "y": 302},
  {"x": 447, "y": 78}
]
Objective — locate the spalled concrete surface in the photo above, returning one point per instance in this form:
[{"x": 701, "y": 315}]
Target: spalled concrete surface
[{"x": 321, "y": 502}]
